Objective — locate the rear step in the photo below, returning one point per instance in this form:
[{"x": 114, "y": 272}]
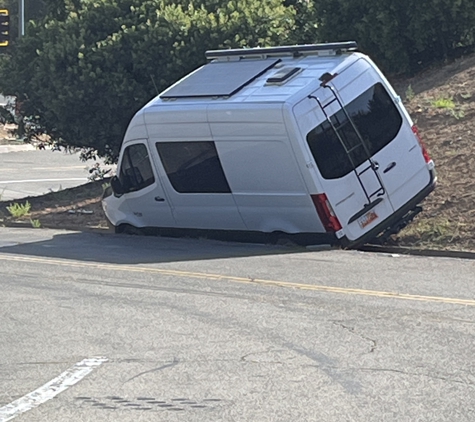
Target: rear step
[{"x": 396, "y": 227}]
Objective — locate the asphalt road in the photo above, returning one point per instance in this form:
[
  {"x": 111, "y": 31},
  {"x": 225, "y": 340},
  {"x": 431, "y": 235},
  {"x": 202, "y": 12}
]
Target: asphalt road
[
  {"x": 123, "y": 328},
  {"x": 35, "y": 172}
]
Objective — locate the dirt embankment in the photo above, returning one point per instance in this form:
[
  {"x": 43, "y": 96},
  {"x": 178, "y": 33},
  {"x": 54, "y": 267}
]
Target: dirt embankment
[{"x": 442, "y": 104}]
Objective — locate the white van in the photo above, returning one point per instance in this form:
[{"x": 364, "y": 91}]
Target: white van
[{"x": 310, "y": 141}]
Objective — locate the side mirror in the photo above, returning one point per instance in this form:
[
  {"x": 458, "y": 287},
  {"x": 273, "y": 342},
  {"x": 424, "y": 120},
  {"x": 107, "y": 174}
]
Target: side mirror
[{"x": 116, "y": 186}]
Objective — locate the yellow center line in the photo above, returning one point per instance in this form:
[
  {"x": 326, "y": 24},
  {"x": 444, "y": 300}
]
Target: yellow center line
[{"x": 244, "y": 280}]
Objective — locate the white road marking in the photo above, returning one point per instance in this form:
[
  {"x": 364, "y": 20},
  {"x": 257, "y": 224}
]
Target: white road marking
[
  {"x": 7, "y": 182},
  {"x": 51, "y": 389},
  {"x": 84, "y": 167},
  {"x": 60, "y": 168}
]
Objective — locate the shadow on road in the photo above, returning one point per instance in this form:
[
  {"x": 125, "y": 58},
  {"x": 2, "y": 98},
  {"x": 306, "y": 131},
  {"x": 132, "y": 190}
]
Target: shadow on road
[{"x": 127, "y": 249}]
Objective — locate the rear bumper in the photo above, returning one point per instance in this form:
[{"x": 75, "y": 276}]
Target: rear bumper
[{"x": 395, "y": 218}]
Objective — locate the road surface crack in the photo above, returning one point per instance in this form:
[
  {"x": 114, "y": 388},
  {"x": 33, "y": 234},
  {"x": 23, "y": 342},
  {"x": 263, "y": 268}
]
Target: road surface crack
[
  {"x": 446, "y": 378},
  {"x": 168, "y": 365},
  {"x": 352, "y": 331}
]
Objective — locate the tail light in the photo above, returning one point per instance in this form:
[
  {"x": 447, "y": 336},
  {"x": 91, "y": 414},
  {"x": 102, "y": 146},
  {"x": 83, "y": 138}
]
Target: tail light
[
  {"x": 421, "y": 143},
  {"x": 325, "y": 212}
]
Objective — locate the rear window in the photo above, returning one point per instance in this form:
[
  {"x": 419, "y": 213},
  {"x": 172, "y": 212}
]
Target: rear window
[{"x": 376, "y": 118}]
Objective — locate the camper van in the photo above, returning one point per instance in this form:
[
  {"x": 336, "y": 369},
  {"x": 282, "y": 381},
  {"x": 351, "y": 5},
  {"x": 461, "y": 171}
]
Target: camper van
[{"x": 306, "y": 141}]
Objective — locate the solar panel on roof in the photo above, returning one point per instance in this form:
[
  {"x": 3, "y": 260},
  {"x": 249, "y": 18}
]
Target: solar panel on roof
[{"x": 220, "y": 79}]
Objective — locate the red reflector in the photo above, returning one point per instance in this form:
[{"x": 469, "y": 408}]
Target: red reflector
[
  {"x": 325, "y": 212},
  {"x": 426, "y": 155}
]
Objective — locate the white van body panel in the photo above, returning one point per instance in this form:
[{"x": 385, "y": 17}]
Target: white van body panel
[
  {"x": 174, "y": 123},
  {"x": 137, "y": 129},
  {"x": 270, "y": 194},
  {"x": 168, "y": 121},
  {"x": 260, "y": 137},
  {"x": 261, "y": 169}
]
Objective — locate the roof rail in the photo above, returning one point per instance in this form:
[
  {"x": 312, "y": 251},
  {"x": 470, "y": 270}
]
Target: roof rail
[{"x": 286, "y": 50}]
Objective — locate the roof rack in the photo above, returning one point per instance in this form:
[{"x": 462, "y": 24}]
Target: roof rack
[{"x": 287, "y": 50}]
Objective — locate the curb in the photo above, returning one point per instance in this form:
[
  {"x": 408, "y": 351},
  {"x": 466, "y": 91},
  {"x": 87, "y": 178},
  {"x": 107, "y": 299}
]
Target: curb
[
  {"x": 436, "y": 253},
  {"x": 27, "y": 225}
]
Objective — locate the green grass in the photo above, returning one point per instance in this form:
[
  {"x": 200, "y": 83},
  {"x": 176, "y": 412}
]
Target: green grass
[
  {"x": 17, "y": 210},
  {"x": 445, "y": 103},
  {"x": 35, "y": 224},
  {"x": 410, "y": 94},
  {"x": 458, "y": 114},
  {"x": 434, "y": 231}
]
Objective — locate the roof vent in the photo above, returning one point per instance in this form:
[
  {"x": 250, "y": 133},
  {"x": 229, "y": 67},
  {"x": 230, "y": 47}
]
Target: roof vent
[{"x": 283, "y": 75}]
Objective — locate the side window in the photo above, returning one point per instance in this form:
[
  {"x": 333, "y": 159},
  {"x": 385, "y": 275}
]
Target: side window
[
  {"x": 193, "y": 167},
  {"x": 378, "y": 121},
  {"x": 135, "y": 169}
]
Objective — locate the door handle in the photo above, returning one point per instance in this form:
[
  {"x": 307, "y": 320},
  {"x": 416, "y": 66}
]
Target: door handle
[
  {"x": 159, "y": 199},
  {"x": 389, "y": 167}
]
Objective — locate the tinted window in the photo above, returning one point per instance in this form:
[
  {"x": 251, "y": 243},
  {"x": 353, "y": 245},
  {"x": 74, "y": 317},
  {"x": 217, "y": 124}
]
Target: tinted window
[
  {"x": 135, "y": 169},
  {"x": 193, "y": 167},
  {"x": 377, "y": 120}
]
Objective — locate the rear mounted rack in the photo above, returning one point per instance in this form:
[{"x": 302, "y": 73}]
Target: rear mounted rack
[{"x": 327, "y": 49}]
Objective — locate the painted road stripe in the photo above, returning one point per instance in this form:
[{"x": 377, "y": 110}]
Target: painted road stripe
[
  {"x": 9, "y": 182},
  {"x": 60, "y": 168},
  {"x": 245, "y": 280},
  {"x": 84, "y": 167},
  {"x": 51, "y": 389}
]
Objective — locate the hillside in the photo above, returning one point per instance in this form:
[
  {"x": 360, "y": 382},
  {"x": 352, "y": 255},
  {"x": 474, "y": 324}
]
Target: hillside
[{"x": 442, "y": 104}]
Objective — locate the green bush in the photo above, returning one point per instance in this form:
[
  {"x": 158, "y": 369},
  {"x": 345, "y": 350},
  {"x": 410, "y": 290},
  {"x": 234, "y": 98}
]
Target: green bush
[
  {"x": 86, "y": 66},
  {"x": 402, "y": 35},
  {"x": 82, "y": 73}
]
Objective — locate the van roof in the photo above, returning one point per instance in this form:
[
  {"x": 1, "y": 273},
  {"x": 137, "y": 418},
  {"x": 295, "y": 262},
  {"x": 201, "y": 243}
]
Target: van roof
[{"x": 258, "y": 75}]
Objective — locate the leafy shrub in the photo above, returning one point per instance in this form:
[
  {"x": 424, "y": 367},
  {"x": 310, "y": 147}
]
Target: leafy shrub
[
  {"x": 403, "y": 35},
  {"x": 82, "y": 72}
]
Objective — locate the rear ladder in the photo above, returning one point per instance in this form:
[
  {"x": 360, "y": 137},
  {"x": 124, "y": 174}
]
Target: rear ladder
[{"x": 348, "y": 150}]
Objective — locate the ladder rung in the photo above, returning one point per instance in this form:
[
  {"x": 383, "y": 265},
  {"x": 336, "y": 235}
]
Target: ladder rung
[
  {"x": 341, "y": 125},
  {"x": 352, "y": 149},
  {"x": 327, "y": 104},
  {"x": 365, "y": 170},
  {"x": 376, "y": 191}
]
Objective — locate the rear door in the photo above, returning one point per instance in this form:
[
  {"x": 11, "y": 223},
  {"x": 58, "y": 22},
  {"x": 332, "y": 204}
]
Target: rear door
[
  {"x": 402, "y": 165},
  {"x": 386, "y": 130},
  {"x": 340, "y": 152},
  {"x": 380, "y": 166}
]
